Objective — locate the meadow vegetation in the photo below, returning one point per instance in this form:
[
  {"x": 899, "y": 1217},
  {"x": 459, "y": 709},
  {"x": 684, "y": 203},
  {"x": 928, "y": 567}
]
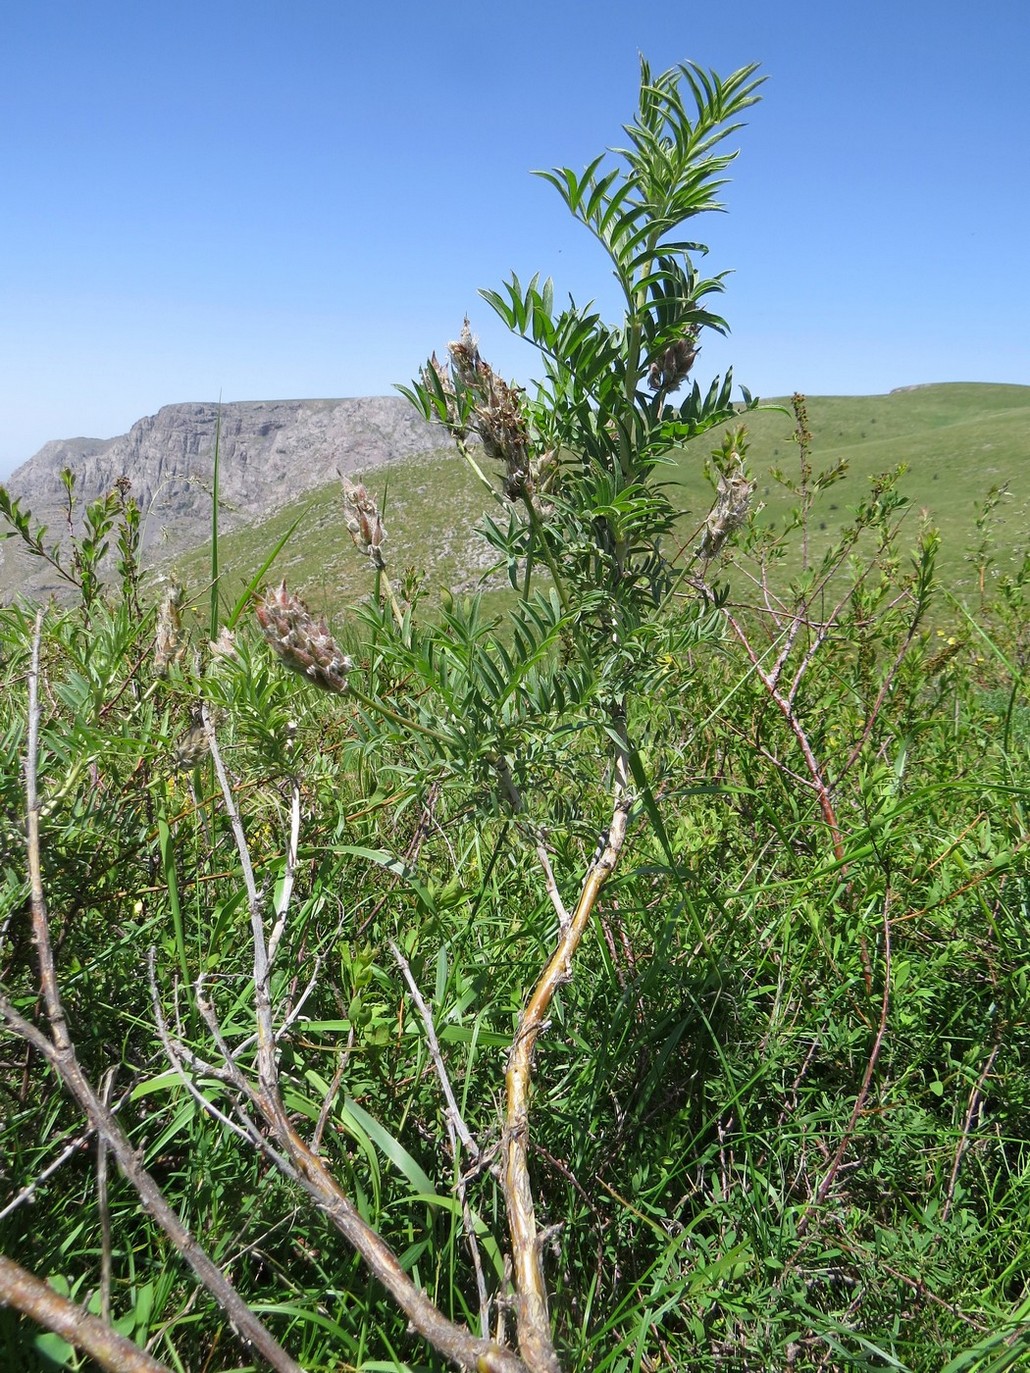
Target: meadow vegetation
[
  {"x": 956, "y": 441},
  {"x": 628, "y": 973}
]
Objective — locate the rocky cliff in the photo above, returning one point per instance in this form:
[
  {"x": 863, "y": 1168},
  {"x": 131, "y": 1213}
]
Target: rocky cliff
[{"x": 270, "y": 452}]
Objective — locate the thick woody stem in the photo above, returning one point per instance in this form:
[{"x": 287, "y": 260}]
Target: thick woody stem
[
  {"x": 534, "y": 1324},
  {"x": 24, "y": 1292}
]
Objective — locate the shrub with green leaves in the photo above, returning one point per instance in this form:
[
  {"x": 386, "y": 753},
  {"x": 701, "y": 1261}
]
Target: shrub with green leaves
[{"x": 630, "y": 977}]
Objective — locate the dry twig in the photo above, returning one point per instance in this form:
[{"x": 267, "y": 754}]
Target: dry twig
[
  {"x": 59, "y": 1051},
  {"x": 22, "y": 1290}
]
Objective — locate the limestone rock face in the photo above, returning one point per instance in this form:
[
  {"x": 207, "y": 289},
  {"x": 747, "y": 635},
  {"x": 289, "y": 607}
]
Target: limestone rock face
[{"x": 270, "y": 452}]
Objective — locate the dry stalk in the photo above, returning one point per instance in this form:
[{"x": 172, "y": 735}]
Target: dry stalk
[
  {"x": 106, "y": 1247},
  {"x": 534, "y": 1324},
  {"x": 457, "y": 1130},
  {"x": 28, "y": 1192},
  {"x": 784, "y": 702},
  {"x": 24, "y": 1292},
  {"x": 59, "y": 1051},
  {"x": 303, "y": 1165}
]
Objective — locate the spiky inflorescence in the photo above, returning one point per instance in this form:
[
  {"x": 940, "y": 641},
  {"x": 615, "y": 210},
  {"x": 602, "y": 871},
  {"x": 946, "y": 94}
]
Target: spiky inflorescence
[
  {"x": 303, "y": 643},
  {"x": 496, "y": 414},
  {"x": 169, "y": 645},
  {"x": 733, "y": 501},
  {"x": 670, "y": 369},
  {"x": 364, "y": 522}
]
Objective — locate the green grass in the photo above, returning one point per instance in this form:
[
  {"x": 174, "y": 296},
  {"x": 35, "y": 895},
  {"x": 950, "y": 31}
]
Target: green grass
[
  {"x": 430, "y": 505},
  {"x": 957, "y": 441}
]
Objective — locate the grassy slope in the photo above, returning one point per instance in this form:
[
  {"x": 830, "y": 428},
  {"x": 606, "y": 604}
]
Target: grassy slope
[{"x": 957, "y": 441}]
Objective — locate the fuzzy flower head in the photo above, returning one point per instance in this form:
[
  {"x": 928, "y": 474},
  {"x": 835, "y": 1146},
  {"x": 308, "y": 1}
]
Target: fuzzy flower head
[
  {"x": 732, "y": 503},
  {"x": 670, "y": 369},
  {"x": 364, "y": 523},
  {"x": 497, "y": 415},
  {"x": 169, "y": 644},
  {"x": 303, "y": 643},
  {"x": 224, "y": 646}
]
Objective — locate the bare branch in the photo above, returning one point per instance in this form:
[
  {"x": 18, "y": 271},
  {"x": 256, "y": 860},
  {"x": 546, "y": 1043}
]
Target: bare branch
[
  {"x": 867, "y": 1078},
  {"x": 785, "y": 706},
  {"x": 65, "y": 1064},
  {"x": 106, "y": 1260},
  {"x": 286, "y": 893},
  {"x": 28, "y": 1192},
  {"x": 25, "y": 1293},
  {"x": 453, "y": 1115},
  {"x": 330, "y": 1096},
  {"x": 59, "y": 1051},
  {"x": 456, "y": 1130},
  {"x": 304, "y": 1165}
]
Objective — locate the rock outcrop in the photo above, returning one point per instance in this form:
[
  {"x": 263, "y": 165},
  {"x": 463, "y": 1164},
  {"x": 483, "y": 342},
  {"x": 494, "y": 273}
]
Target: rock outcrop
[{"x": 270, "y": 452}]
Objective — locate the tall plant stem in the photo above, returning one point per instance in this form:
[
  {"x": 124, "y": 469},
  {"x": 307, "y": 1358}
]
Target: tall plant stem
[
  {"x": 215, "y": 497},
  {"x": 383, "y": 581},
  {"x": 533, "y": 1317},
  {"x": 540, "y": 542}
]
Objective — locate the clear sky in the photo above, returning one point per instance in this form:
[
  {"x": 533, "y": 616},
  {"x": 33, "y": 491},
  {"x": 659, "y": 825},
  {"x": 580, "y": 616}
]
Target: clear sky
[{"x": 266, "y": 200}]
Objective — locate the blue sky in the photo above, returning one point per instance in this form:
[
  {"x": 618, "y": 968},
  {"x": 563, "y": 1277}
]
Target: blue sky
[{"x": 265, "y": 200}]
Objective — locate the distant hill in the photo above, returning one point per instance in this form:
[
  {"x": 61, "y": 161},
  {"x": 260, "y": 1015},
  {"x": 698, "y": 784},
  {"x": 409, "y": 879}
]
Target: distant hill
[
  {"x": 279, "y": 461},
  {"x": 957, "y": 440},
  {"x": 271, "y": 453}
]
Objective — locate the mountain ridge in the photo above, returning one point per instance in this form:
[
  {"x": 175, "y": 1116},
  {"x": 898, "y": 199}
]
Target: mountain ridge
[{"x": 270, "y": 453}]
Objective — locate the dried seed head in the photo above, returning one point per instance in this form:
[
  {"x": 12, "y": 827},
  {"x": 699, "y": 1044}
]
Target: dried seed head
[
  {"x": 225, "y": 645},
  {"x": 437, "y": 379},
  {"x": 732, "y": 502},
  {"x": 502, "y": 428},
  {"x": 496, "y": 416},
  {"x": 543, "y": 476},
  {"x": 363, "y": 521},
  {"x": 465, "y": 356},
  {"x": 193, "y": 747},
  {"x": 169, "y": 645},
  {"x": 669, "y": 370},
  {"x": 303, "y": 643}
]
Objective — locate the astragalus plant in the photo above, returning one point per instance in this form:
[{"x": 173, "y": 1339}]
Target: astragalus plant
[
  {"x": 523, "y": 741},
  {"x": 623, "y": 969},
  {"x": 505, "y": 716}
]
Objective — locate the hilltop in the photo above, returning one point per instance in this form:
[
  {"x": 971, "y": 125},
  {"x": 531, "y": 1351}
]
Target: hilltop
[{"x": 957, "y": 441}]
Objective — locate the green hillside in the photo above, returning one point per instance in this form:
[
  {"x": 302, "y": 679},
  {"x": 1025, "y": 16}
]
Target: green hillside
[{"x": 957, "y": 442}]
